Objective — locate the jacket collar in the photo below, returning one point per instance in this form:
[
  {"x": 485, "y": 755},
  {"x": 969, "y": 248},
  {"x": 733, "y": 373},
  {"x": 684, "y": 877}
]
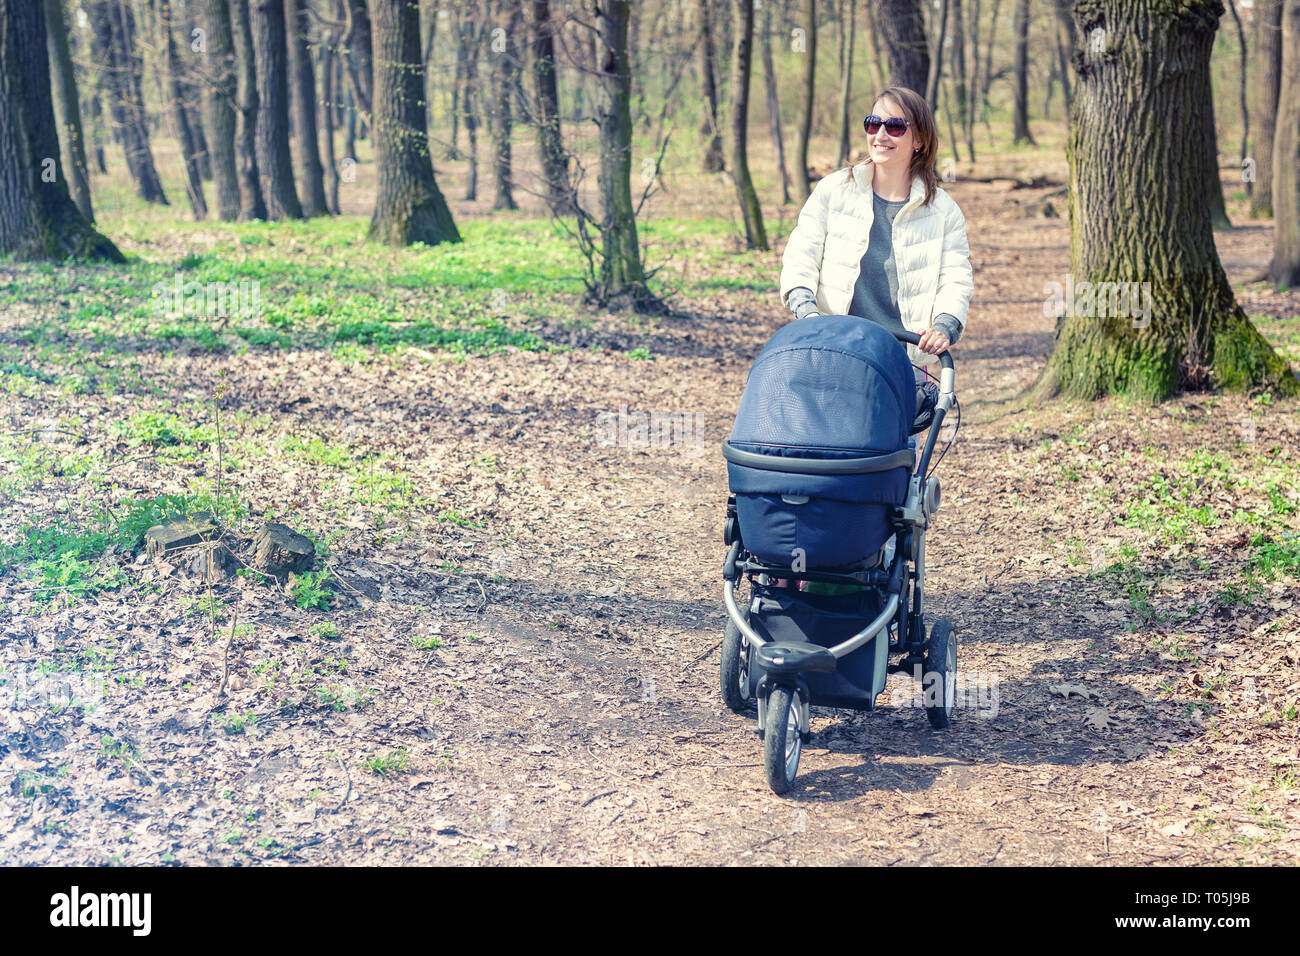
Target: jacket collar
[{"x": 864, "y": 172}]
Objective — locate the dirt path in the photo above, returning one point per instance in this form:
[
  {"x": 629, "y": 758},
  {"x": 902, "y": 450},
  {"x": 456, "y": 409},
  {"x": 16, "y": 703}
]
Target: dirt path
[{"x": 571, "y": 713}]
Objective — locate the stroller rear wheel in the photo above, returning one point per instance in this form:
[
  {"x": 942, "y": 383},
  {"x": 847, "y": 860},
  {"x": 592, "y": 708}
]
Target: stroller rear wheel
[
  {"x": 782, "y": 742},
  {"x": 940, "y": 681},
  {"x": 735, "y": 667}
]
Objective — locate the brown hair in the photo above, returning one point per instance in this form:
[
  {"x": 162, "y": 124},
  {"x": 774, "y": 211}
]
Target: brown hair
[{"x": 921, "y": 122}]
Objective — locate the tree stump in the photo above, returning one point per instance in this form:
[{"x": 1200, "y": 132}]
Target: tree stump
[
  {"x": 280, "y": 550},
  {"x": 176, "y": 533}
]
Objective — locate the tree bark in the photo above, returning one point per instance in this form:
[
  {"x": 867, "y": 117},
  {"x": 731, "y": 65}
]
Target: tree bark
[
  {"x": 958, "y": 15},
  {"x": 274, "y": 160},
  {"x": 113, "y": 49},
  {"x": 311, "y": 176},
  {"x": 936, "y": 61},
  {"x": 38, "y": 219},
  {"x": 848, "y": 18},
  {"x": 1242, "y": 104},
  {"x": 504, "y": 15},
  {"x": 220, "y": 98},
  {"x": 549, "y": 133},
  {"x": 328, "y": 57},
  {"x": 873, "y": 34},
  {"x": 808, "y": 39},
  {"x": 774, "y": 106},
  {"x": 1065, "y": 43},
  {"x": 362, "y": 43},
  {"x": 176, "y": 107},
  {"x": 409, "y": 207},
  {"x": 1020, "y": 119},
  {"x": 475, "y": 30},
  {"x": 1268, "y": 53},
  {"x": 742, "y": 54},
  {"x": 622, "y": 276},
  {"x": 1138, "y": 215},
  {"x": 1284, "y": 270},
  {"x": 67, "y": 109},
  {"x": 902, "y": 29},
  {"x": 252, "y": 204},
  {"x": 705, "y": 58}
]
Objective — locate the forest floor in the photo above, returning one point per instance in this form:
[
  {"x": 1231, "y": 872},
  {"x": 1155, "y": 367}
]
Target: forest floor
[{"x": 517, "y": 662}]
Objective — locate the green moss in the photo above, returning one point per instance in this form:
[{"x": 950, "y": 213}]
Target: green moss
[{"x": 1243, "y": 358}]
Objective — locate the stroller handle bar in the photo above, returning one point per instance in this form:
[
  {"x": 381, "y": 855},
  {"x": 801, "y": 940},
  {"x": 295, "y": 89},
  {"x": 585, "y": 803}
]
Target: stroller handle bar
[{"x": 945, "y": 359}]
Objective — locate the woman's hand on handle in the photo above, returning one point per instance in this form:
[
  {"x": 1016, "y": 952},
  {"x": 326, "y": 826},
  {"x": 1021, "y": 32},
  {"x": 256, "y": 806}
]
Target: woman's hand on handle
[{"x": 933, "y": 342}]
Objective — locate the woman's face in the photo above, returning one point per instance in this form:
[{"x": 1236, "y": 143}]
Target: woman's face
[{"x": 889, "y": 150}]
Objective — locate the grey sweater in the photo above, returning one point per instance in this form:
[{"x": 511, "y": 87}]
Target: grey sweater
[{"x": 875, "y": 295}]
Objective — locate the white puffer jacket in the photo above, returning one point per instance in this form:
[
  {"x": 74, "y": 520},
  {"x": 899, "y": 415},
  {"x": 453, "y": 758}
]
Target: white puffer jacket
[{"x": 931, "y": 253}]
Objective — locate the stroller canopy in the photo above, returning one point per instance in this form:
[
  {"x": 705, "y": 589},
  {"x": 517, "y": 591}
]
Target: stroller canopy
[{"x": 829, "y": 386}]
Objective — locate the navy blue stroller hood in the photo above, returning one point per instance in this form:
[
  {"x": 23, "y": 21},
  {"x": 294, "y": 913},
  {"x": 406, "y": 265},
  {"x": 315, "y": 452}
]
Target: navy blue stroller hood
[{"x": 825, "y": 387}]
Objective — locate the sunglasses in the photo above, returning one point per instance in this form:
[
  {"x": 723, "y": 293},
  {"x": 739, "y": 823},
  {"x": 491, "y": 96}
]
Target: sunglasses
[{"x": 894, "y": 126}]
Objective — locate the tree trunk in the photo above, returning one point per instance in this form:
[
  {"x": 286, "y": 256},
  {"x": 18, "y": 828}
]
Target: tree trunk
[
  {"x": 873, "y": 34},
  {"x": 38, "y": 219},
  {"x": 973, "y": 79},
  {"x": 1136, "y": 166},
  {"x": 1065, "y": 43},
  {"x": 1210, "y": 143},
  {"x": 1020, "y": 119},
  {"x": 549, "y": 133},
  {"x": 252, "y": 205},
  {"x": 622, "y": 276},
  {"x": 220, "y": 99},
  {"x": 902, "y": 29},
  {"x": 958, "y": 16},
  {"x": 1284, "y": 270},
  {"x": 848, "y": 18},
  {"x": 474, "y": 33},
  {"x": 1242, "y": 103},
  {"x": 774, "y": 106},
  {"x": 742, "y": 54},
  {"x": 67, "y": 109},
  {"x": 705, "y": 58},
  {"x": 362, "y": 43},
  {"x": 274, "y": 159},
  {"x": 936, "y": 61},
  {"x": 409, "y": 207},
  {"x": 1268, "y": 53},
  {"x": 453, "y": 151},
  {"x": 176, "y": 107},
  {"x": 988, "y": 60},
  {"x": 113, "y": 49},
  {"x": 504, "y": 14},
  {"x": 805, "y": 43},
  {"x": 328, "y": 57},
  {"x": 311, "y": 176}
]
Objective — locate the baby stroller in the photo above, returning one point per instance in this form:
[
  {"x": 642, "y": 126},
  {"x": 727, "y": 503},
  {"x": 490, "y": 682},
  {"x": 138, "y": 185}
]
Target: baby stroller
[{"x": 826, "y": 520}]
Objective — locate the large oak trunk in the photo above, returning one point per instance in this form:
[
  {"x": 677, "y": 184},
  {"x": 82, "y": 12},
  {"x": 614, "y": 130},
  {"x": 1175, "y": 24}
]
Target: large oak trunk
[
  {"x": 409, "y": 207},
  {"x": 1020, "y": 114},
  {"x": 1138, "y": 215},
  {"x": 38, "y": 219},
  {"x": 176, "y": 107}
]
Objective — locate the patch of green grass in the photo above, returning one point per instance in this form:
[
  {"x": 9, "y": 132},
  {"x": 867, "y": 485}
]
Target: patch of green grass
[
  {"x": 1274, "y": 558},
  {"x": 238, "y": 723},
  {"x": 391, "y": 763},
  {"x": 326, "y": 630},
  {"x": 426, "y": 643}
]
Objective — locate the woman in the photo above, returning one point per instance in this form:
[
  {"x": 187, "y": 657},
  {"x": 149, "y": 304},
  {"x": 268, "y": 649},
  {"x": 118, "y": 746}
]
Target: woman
[{"x": 880, "y": 239}]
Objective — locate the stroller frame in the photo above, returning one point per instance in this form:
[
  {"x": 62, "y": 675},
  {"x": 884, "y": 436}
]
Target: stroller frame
[{"x": 783, "y": 695}]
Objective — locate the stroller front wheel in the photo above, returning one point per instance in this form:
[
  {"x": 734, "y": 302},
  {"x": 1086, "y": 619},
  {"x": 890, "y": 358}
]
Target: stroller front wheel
[
  {"x": 734, "y": 676},
  {"x": 940, "y": 681},
  {"x": 782, "y": 742}
]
